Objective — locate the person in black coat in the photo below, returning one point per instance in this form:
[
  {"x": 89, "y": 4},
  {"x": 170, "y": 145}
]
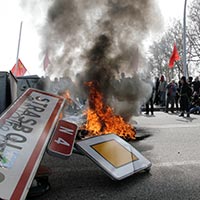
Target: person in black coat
[
  {"x": 150, "y": 102},
  {"x": 185, "y": 97},
  {"x": 157, "y": 93}
]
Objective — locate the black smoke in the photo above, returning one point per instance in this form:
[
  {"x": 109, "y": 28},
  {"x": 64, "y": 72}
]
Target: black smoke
[{"x": 102, "y": 41}]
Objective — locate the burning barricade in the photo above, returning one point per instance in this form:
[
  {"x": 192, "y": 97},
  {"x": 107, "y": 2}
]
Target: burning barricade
[
  {"x": 47, "y": 116},
  {"x": 102, "y": 139},
  {"x": 101, "y": 135},
  {"x": 100, "y": 118}
]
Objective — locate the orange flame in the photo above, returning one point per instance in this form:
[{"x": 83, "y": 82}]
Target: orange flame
[
  {"x": 101, "y": 118},
  {"x": 66, "y": 95}
]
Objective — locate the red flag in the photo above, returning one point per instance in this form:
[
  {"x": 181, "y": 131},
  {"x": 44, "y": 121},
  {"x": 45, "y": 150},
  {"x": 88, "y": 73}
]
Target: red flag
[
  {"x": 19, "y": 70},
  {"x": 46, "y": 61},
  {"x": 174, "y": 57}
]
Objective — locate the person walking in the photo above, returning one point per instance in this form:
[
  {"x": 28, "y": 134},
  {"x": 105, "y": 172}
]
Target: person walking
[{"x": 185, "y": 97}]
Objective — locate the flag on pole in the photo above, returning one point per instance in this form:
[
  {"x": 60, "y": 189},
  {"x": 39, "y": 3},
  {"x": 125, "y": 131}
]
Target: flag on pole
[
  {"x": 19, "y": 70},
  {"x": 174, "y": 57},
  {"x": 46, "y": 61}
]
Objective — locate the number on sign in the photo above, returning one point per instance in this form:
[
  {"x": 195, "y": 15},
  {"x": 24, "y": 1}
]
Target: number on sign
[
  {"x": 62, "y": 141},
  {"x": 66, "y": 130}
]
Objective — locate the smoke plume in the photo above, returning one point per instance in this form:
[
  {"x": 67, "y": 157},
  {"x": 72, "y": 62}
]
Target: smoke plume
[{"x": 103, "y": 41}]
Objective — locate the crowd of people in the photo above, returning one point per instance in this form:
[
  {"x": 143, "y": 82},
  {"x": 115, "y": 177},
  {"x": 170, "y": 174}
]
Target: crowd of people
[{"x": 182, "y": 96}]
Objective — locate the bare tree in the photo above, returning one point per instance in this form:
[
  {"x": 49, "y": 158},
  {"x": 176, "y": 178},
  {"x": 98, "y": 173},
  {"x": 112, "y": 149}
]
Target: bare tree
[
  {"x": 193, "y": 33},
  {"x": 160, "y": 52}
]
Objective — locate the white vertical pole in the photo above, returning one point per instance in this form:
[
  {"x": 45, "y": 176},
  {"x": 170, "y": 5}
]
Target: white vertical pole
[
  {"x": 18, "y": 46},
  {"x": 185, "y": 70}
]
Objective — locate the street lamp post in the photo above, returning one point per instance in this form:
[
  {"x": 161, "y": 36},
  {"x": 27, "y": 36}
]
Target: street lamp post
[{"x": 185, "y": 70}]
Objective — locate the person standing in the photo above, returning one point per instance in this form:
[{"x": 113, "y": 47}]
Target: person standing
[
  {"x": 162, "y": 90},
  {"x": 171, "y": 95},
  {"x": 149, "y": 103},
  {"x": 185, "y": 97},
  {"x": 157, "y": 94},
  {"x": 177, "y": 97},
  {"x": 196, "y": 85}
]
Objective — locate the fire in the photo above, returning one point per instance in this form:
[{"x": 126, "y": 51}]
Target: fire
[
  {"x": 69, "y": 101},
  {"x": 66, "y": 95},
  {"x": 101, "y": 118}
]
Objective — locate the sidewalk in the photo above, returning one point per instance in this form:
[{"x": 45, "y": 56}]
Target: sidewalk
[{"x": 161, "y": 119}]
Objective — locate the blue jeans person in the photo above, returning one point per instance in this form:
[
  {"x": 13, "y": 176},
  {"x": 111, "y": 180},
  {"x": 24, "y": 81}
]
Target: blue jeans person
[{"x": 162, "y": 98}]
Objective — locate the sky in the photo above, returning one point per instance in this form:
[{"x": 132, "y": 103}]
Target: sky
[{"x": 11, "y": 16}]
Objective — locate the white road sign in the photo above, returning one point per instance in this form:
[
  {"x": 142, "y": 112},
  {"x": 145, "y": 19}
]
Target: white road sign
[{"x": 25, "y": 129}]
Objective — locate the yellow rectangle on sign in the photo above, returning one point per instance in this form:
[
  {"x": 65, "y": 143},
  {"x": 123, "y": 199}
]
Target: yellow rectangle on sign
[{"x": 114, "y": 153}]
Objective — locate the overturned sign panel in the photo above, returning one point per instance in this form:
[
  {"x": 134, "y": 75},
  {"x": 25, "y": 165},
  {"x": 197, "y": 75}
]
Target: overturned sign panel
[
  {"x": 114, "y": 155},
  {"x": 62, "y": 142},
  {"x": 25, "y": 129}
]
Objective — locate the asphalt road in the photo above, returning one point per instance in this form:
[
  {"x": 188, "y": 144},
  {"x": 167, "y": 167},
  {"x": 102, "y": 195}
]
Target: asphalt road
[{"x": 172, "y": 145}]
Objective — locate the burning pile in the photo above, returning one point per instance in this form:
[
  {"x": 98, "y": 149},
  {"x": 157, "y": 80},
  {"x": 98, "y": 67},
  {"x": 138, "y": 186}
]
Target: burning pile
[
  {"x": 101, "y": 118},
  {"x": 95, "y": 42}
]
